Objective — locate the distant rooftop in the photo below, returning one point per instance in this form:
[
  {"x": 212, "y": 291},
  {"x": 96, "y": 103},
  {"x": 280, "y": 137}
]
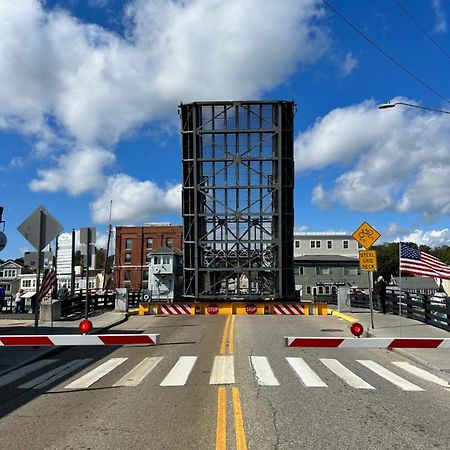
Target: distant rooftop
[{"x": 323, "y": 233}]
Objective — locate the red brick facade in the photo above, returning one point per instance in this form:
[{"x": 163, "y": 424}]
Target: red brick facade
[{"x": 132, "y": 246}]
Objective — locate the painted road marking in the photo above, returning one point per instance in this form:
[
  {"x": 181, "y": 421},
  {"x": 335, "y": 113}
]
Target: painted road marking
[
  {"x": 180, "y": 371},
  {"x": 221, "y": 427},
  {"x": 223, "y": 370},
  {"x": 403, "y": 384},
  {"x": 24, "y": 371},
  {"x": 223, "y": 345},
  {"x": 421, "y": 373},
  {"x": 54, "y": 375},
  {"x": 263, "y": 372},
  {"x": 94, "y": 375},
  {"x": 308, "y": 377},
  {"x": 138, "y": 373},
  {"x": 241, "y": 441},
  {"x": 345, "y": 374},
  {"x": 231, "y": 337}
]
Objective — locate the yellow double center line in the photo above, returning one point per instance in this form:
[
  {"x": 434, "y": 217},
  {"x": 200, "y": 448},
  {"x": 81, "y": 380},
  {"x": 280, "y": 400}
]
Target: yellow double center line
[{"x": 221, "y": 430}]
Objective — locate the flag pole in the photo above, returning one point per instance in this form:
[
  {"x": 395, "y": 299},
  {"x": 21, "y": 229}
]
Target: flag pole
[{"x": 399, "y": 287}]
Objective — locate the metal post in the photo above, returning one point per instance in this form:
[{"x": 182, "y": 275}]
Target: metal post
[
  {"x": 42, "y": 232},
  {"x": 370, "y": 275},
  {"x": 88, "y": 261},
  {"x": 72, "y": 271},
  {"x": 56, "y": 273}
]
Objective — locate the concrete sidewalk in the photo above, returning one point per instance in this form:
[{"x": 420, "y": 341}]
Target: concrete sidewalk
[
  {"x": 388, "y": 325},
  {"x": 12, "y": 358}
]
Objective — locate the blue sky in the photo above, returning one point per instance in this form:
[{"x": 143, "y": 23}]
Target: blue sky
[{"x": 89, "y": 93}]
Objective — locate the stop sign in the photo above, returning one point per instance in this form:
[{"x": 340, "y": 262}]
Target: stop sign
[
  {"x": 251, "y": 308},
  {"x": 212, "y": 309}
]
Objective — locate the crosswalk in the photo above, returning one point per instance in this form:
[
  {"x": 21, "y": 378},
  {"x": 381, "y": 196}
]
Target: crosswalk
[{"x": 177, "y": 373}]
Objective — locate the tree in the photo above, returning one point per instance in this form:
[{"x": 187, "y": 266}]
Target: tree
[
  {"x": 387, "y": 258},
  {"x": 100, "y": 255}
]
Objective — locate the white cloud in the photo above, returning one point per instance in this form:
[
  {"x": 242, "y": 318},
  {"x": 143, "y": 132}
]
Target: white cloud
[
  {"x": 393, "y": 159},
  {"x": 349, "y": 64},
  {"x": 441, "y": 18},
  {"x": 432, "y": 238},
  {"x": 78, "y": 171},
  {"x": 97, "y": 86},
  {"x": 134, "y": 200}
]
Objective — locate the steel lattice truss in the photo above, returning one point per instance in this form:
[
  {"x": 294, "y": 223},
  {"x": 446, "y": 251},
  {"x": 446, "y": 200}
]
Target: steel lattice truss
[{"x": 238, "y": 177}]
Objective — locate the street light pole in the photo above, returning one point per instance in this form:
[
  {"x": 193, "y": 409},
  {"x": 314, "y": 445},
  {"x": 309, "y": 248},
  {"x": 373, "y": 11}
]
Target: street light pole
[{"x": 392, "y": 105}]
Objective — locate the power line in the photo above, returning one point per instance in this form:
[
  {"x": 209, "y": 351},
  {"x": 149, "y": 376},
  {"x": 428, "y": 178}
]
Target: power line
[
  {"x": 421, "y": 28},
  {"x": 384, "y": 53}
]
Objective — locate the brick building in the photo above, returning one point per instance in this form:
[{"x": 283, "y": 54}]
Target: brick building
[{"x": 133, "y": 247}]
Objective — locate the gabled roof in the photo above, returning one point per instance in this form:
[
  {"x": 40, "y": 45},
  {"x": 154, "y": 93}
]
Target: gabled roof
[
  {"x": 326, "y": 258},
  {"x": 9, "y": 263}
]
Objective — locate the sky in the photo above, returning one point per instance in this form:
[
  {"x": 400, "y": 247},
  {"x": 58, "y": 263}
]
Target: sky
[{"x": 89, "y": 95}]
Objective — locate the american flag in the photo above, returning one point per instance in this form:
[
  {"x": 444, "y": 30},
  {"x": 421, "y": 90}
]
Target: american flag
[
  {"x": 412, "y": 260},
  {"x": 48, "y": 282}
]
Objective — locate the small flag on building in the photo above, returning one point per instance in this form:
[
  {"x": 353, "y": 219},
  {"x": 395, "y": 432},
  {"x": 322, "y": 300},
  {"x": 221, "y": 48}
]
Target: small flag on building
[
  {"x": 413, "y": 261},
  {"x": 48, "y": 283}
]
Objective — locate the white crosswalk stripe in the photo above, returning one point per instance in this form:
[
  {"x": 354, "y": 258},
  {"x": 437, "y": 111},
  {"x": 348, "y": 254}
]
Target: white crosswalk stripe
[
  {"x": 94, "y": 375},
  {"x": 263, "y": 372},
  {"x": 22, "y": 372},
  {"x": 139, "y": 372},
  {"x": 223, "y": 370},
  {"x": 403, "y": 384},
  {"x": 50, "y": 377},
  {"x": 307, "y": 376},
  {"x": 345, "y": 374},
  {"x": 180, "y": 371},
  {"x": 421, "y": 373}
]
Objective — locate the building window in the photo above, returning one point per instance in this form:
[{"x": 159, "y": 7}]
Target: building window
[
  {"x": 128, "y": 257},
  {"x": 320, "y": 290},
  {"x": 327, "y": 290},
  {"x": 169, "y": 242},
  {"x": 26, "y": 283},
  {"x": 128, "y": 243},
  {"x": 329, "y": 245},
  {"x": 301, "y": 270},
  {"x": 324, "y": 270},
  {"x": 126, "y": 275},
  {"x": 156, "y": 260},
  {"x": 145, "y": 275},
  {"x": 297, "y": 244},
  {"x": 149, "y": 243},
  {"x": 345, "y": 244},
  {"x": 315, "y": 244},
  {"x": 308, "y": 289},
  {"x": 148, "y": 257},
  {"x": 352, "y": 271},
  {"x": 360, "y": 246},
  {"x": 166, "y": 259}
]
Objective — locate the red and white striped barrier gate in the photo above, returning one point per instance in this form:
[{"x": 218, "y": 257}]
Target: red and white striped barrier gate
[
  {"x": 24, "y": 340},
  {"x": 289, "y": 309},
  {"x": 175, "y": 309},
  {"x": 366, "y": 342}
]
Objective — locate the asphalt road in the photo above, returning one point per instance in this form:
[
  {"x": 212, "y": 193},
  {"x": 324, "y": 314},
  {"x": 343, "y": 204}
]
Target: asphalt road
[{"x": 170, "y": 403}]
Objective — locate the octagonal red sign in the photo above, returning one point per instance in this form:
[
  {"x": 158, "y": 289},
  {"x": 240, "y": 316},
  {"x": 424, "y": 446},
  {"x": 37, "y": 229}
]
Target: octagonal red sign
[
  {"x": 251, "y": 308},
  {"x": 213, "y": 309}
]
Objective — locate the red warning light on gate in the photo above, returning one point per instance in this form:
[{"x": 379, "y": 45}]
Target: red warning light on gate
[
  {"x": 213, "y": 309},
  {"x": 356, "y": 329},
  {"x": 251, "y": 308},
  {"x": 85, "y": 326}
]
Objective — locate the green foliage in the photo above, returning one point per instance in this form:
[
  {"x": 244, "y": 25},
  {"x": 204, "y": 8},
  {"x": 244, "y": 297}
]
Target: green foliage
[
  {"x": 387, "y": 258},
  {"x": 100, "y": 255}
]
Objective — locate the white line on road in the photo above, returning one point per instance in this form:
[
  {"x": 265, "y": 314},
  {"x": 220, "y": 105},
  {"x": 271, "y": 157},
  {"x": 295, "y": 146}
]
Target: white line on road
[
  {"x": 263, "y": 372},
  {"x": 54, "y": 375},
  {"x": 345, "y": 374},
  {"x": 307, "y": 376},
  {"x": 24, "y": 371},
  {"x": 403, "y": 384},
  {"x": 138, "y": 373},
  {"x": 180, "y": 371},
  {"x": 223, "y": 370},
  {"x": 94, "y": 375},
  {"x": 421, "y": 373}
]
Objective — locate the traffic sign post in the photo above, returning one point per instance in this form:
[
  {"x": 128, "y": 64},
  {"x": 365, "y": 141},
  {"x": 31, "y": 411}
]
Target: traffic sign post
[
  {"x": 39, "y": 229},
  {"x": 366, "y": 235}
]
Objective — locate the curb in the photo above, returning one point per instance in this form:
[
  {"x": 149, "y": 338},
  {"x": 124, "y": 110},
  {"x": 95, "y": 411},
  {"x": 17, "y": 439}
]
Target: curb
[
  {"x": 343, "y": 316},
  {"x": 51, "y": 351}
]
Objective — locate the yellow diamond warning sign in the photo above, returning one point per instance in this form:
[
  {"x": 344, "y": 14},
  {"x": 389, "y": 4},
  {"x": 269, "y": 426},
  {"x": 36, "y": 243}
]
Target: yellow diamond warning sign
[
  {"x": 368, "y": 260},
  {"x": 366, "y": 235}
]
